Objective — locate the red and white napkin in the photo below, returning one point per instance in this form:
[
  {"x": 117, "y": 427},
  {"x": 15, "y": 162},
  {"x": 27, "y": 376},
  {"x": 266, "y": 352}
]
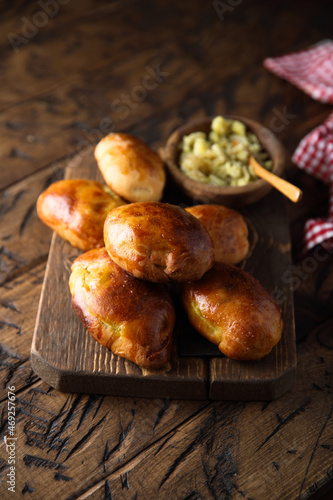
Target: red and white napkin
[
  {"x": 312, "y": 71},
  {"x": 314, "y": 154}
]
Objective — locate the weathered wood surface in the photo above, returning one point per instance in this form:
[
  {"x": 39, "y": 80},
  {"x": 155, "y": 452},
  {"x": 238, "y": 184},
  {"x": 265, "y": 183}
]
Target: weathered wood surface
[{"x": 55, "y": 92}]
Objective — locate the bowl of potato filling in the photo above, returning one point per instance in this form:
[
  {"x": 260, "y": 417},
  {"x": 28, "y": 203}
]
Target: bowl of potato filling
[{"x": 209, "y": 159}]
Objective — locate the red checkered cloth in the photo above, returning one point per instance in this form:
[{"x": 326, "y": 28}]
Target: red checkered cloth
[
  {"x": 314, "y": 154},
  {"x": 312, "y": 71}
]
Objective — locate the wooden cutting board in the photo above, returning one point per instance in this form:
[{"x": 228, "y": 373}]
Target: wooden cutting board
[{"x": 66, "y": 357}]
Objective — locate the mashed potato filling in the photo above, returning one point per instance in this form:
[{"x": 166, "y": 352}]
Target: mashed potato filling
[{"x": 221, "y": 158}]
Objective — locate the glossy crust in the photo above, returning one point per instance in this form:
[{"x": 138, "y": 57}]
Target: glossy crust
[
  {"x": 133, "y": 318},
  {"x": 158, "y": 242},
  {"x": 130, "y": 168},
  {"x": 76, "y": 210},
  {"x": 227, "y": 229},
  {"x": 231, "y": 309}
]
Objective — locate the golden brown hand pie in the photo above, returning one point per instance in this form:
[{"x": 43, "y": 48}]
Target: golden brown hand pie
[
  {"x": 158, "y": 242},
  {"x": 227, "y": 229},
  {"x": 130, "y": 168},
  {"x": 76, "y": 210},
  {"x": 231, "y": 309},
  {"x": 133, "y": 318}
]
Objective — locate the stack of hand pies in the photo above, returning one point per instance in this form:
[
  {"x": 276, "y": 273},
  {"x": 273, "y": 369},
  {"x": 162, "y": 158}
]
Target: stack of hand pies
[{"x": 135, "y": 249}]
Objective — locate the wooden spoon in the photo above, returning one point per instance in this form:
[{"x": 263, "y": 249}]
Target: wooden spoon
[{"x": 292, "y": 192}]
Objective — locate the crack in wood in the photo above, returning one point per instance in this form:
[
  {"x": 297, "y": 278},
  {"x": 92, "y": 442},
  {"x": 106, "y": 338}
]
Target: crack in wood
[
  {"x": 16, "y": 153},
  {"x": 80, "y": 443},
  {"x": 34, "y": 418},
  {"x": 34, "y": 438},
  {"x": 41, "y": 391},
  {"x": 11, "y": 325},
  {"x": 172, "y": 433},
  {"x": 90, "y": 403},
  {"x": 61, "y": 447},
  {"x": 53, "y": 423},
  {"x": 77, "y": 124},
  {"x": 32, "y": 405},
  {"x": 3, "y": 422},
  {"x": 124, "y": 481},
  {"x": 315, "y": 448},
  {"x": 40, "y": 439},
  {"x": 4, "y": 465},
  {"x": 7, "y": 304},
  {"x": 29, "y": 212},
  {"x": 99, "y": 406},
  {"x": 107, "y": 491},
  {"x": 9, "y": 352},
  {"x": 181, "y": 457},
  {"x": 20, "y": 390},
  {"x": 12, "y": 367},
  {"x": 194, "y": 495},
  {"x": 161, "y": 413},
  {"x": 220, "y": 474},
  {"x": 6, "y": 208},
  {"x": 122, "y": 436},
  {"x": 221, "y": 479},
  {"x": 46, "y": 439},
  {"x": 7, "y": 364},
  {"x": 27, "y": 489},
  {"x": 61, "y": 477},
  {"x": 20, "y": 268},
  {"x": 31, "y": 378},
  {"x": 15, "y": 125},
  {"x": 32, "y": 461},
  {"x": 241, "y": 492},
  {"x": 160, "y": 448},
  {"x": 283, "y": 422},
  {"x": 265, "y": 405},
  {"x": 69, "y": 417},
  {"x": 57, "y": 175}
]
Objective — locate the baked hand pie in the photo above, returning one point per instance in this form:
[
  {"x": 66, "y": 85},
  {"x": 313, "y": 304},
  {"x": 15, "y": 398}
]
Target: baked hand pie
[
  {"x": 130, "y": 168},
  {"x": 227, "y": 229},
  {"x": 76, "y": 210},
  {"x": 158, "y": 242},
  {"x": 232, "y": 310},
  {"x": 133, "y": 318}
]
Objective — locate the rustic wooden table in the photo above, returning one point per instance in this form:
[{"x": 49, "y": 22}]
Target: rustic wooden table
[{"x": 72, "y": 71}]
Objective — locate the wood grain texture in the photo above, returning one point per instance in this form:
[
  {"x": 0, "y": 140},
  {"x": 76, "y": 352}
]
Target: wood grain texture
[
  {"x": 51, "y": 59},
  {"x": 216, "y": 447},
  {"x": 77, "y": 94},
  {"x": 240, "y": 450},
  {"x": 69, "y": 442},
  {"x": 24, "y": 240},
  {"x": 94, "y": 369},
  {"x": 18, "y": 309}
]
